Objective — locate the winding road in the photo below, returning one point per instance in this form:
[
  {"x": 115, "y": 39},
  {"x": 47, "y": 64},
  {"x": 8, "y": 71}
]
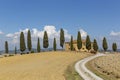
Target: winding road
[{"x": 83, "y": 71}]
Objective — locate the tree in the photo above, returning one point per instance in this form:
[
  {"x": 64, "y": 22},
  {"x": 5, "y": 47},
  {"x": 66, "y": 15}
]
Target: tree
[
  {"x": 79, "y": 41},
  {"x": 71, "y": 44},
  {"x": 54, "y": 44},
  {"x": 45, "y": 40},
  {"x": 29, "y": 43},
  {"x": 6, "y": 47},
  {"x": 38, "y": 46},
  {"x": 15, "y": 50},
  {"x": 62, "y": 38},
  {"x": 95, "y": 45},
  {"x": 105, "y": 46},
  {"x": 88, "y": 43},
  {"x": 114, "y": 47},
  {"x": 22, "y": 42}
]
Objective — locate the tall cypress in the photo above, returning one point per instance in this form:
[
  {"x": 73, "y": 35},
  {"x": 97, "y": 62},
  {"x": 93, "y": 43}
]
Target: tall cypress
[
  {"x": 71, "y": 43},
  {"x": 62, "y": 38},
  {"x": 114, "y": 47},
  {"x": 79, "y": 41},
  {"x": 105, "y": 46},
  {"x": 29, "y": 43},
  {"x": 88, "y": 43},
  {"x": 95, "y": 45},
  {"x": 54, "y": 44},
  {"x": 6, "y": 47},
  {"x": 22, "y": 42},
  {"x": 38, "y": 46},
  {"x": 45, "y": 40}
]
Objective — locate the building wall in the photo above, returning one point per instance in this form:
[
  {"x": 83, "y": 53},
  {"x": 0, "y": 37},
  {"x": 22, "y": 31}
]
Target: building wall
[
  {"x": 67, "y": 47},
  {"x": 83, "y": 47},
  {"x": 75, "y": 47}
]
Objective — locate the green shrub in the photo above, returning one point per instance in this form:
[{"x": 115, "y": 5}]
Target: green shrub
[
  {"x": 32, "y": 52},
  {"x": 11, "y": 54}
]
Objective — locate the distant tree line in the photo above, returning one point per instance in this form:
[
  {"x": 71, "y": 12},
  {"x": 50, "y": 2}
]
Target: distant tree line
[{"x": 62, "y": 41}]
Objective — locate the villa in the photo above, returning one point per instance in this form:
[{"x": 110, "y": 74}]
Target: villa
[{"x": 67, "y": 46}]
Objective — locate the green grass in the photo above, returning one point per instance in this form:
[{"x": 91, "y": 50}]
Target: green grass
[
  {"x": 71, "y": 74},
  {"x": 89, "y": 65}
]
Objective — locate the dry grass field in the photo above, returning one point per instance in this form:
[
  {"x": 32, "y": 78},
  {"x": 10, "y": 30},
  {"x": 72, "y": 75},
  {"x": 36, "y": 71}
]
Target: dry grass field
[
  {"x": 107, "y": 66},
  {"x": 42, "y": 66}
]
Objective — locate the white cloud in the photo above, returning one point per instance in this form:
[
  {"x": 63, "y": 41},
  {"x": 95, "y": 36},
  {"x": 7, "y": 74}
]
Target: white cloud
[
  {"x": 10, "y": 35},
  {"x": 67, "y": 35},
  {"x": 15, "y": 36},
  {"x": 83, "y": 33},
  {"x": 25, "y": 31},
  {"x": 51, "y": 30},
  {"x": 1, "y": 32},
  {"x": 115, "y": 33},
  {"x": 35, "y": 33}
]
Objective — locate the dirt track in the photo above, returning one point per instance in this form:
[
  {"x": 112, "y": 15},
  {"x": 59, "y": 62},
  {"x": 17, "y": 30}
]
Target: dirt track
[{"x": 84, "y": 72}]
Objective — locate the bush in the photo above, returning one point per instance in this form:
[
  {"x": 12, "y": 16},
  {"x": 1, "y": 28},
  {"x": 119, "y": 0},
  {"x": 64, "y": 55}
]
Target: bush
[
  {"x": 5, "y": 55},
  {"x": 32, "y": 52},
  {"x": 22, "y": 53},
  {"x": 93, "y": 51},
  {"x": 11, "y": 54}
]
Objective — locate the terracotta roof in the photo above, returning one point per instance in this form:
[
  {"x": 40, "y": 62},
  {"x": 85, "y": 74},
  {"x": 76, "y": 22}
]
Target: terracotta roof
[
  {"x": 75, "y": 41},
  {"x": 67, "y": 42}
]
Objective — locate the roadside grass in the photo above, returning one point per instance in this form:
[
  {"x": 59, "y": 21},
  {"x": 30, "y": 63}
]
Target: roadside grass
[
  {"x": 90, "y": 66},
  {"x": 71, "y": 74}
]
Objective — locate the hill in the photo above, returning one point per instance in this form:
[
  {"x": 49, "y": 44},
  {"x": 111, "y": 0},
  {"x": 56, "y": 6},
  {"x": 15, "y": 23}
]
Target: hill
[
  {"x": 108, "y": 67},
  {"x": 42, "y": 66}
]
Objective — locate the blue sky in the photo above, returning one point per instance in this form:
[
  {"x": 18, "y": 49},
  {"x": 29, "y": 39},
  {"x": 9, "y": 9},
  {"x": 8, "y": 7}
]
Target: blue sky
[{"x": 96, "y": 17}]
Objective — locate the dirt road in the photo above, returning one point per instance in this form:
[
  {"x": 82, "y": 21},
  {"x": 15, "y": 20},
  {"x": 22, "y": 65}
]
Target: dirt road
[{"x": 84, "y": 72}]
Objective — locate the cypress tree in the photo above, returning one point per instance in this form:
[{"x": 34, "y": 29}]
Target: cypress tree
[
  {"x": 79, "y": 41},
  {"x": 54, "y": 44},
  {"x": 62, "y": 38},
  {"x": 15, "y": 50},
  {"x": 114, "y": 47},
  {"x": 22, "y": 42},
  {"x": 105, "y": 46},
  {"x": 45, "y": 40},
  {"x": 38, "y": 46},
  {"x": 88, "y": 43},
  {"x": 29, "y": 43},
  {"x": 6, "y": 47},
  {"x": 95, "y": 45},
  {"x": 71, "y": 43}
]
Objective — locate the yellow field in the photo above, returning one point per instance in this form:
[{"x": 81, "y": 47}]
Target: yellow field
[
  {"x": 42, "y": 66},
  {"x": 108, "y": 65}
]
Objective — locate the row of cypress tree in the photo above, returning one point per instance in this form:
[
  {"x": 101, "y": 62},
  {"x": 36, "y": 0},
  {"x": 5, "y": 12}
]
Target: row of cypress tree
[
  {"x": 62, "y": 40},
  {"x": 45, "y": 41},
  {"x": 105, "y": 45},
  {"x": 29, "y": 42},
  {"x": 79, "y": 43},
  {"x": 88, "y": 43}
]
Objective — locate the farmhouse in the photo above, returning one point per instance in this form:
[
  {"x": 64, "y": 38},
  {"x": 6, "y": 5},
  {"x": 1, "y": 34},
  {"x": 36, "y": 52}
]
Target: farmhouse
[{"x": 67, "y": 46}]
